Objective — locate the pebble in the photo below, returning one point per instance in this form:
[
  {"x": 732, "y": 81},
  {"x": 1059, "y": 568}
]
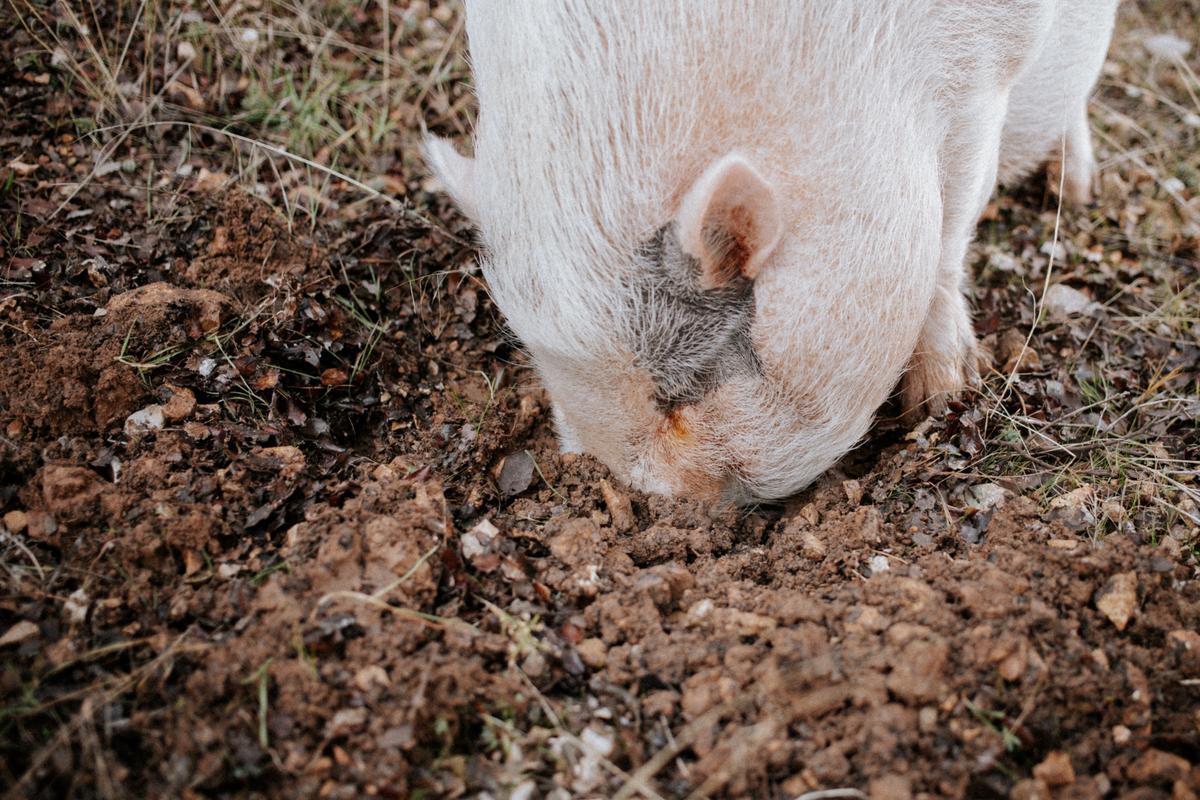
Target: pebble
[
  {"x": 597, "y": 742},
  {"x": 16, "y": 521},
  {"x": 534, "y": 664},
  {"x": 1062, "y": 301},
  {"x": 150, "y": 418},
  {"x": 811, "y": 546},
  {"x": 986, "y": 496},
  {"x": 347, "y": 721},
  {"x": 478, "y": 540},
  {"x": 76, "y": 606},
  {"x": 371, "y": 676},
  {"x": 23, "y": 631},
  {"x": 1117, "y": 600},
  {"x": 516, "y": 473},
  {"x": 1167, "y": 45},
  {"x": 180, "y": 405},
  {"x": 1055, "y": 769},
  {"x": 593, "y": 652},
  {"x": 1073, "y": 509}
]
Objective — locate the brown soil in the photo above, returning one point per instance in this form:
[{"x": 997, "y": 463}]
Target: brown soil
[{"x": 283, "y": 519}]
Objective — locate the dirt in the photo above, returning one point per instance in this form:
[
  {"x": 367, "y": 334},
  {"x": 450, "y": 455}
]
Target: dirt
[{"x": 283, "y": 516}]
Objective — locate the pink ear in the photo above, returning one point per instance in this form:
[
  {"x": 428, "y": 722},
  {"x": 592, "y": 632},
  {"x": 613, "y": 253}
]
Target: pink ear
[
  {"x": 730, "y": 220},
  {"x": 455, "y": 171}
]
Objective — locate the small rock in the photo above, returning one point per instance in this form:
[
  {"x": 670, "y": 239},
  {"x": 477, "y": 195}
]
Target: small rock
[
  {"x": 811, "y": 546},
  {"x": 1121, "y": 735},
  {"x": 21, "y": 632},
  {"x": 854, "y": 492},
  {"x": 16, "y": 521},
  {"x": 1167, "y": 45},
  {"x": 1062, "y": 301},
  {"x": 196, "y": 430},
  {"x": 577, "y": 543},
  {"x": 347, "y": 721},
  {"x": 371, "y": 676},
  {"x": 593, "y": 652},
  {"x": 179, "y": 405},
  {"x": 1055, "y": 769},
  {"x": 1073, "y": 509},
  {"x": 42, "y": 526},
  {"x": 597, "y": 742},
  {"x": 76, "y": 606},
  {"x": 478, "y": 540},
  {"x": 150, "y": 418},
  {"x": 399, "y": 737},
  {"x": 516, "y": 473},
  {"x": 619, "y": 507},
  {"x": 534, "y": 664},
  {"x": 1117, "y": 600},
  {"x": 879, "y": 564},
  {"x": 334, "y": 377},
  {"x": 660, "y": 704},
  {"x": 1185, "y": 639},
  {"x": 1011, "y": 657},
  {"x": 1155, "y": 766},
  {"x": 986, "y": 496}
]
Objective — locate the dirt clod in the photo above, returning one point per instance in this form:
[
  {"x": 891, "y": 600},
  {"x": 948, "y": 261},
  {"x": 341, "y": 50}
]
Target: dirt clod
[
  {"x": 1117, "y": 599},
  {"x": 1055, "y": 769}
]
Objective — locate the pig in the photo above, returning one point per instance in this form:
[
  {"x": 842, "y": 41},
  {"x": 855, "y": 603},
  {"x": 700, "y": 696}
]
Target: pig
[{"x": 726, "y": 231}]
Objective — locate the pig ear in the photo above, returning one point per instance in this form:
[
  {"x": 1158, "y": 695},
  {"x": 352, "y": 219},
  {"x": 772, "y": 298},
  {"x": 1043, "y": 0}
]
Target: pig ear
[
  {"x": 456, "y": 172},
  {"x": 730, "y": 221}
]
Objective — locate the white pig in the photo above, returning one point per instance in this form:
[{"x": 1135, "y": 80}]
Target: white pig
[{"x": 725, "y": 230}]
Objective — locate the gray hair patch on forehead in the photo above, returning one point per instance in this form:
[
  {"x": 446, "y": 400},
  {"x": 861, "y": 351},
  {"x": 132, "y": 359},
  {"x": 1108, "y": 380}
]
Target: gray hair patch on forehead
[{"x": 687, "y": 338}]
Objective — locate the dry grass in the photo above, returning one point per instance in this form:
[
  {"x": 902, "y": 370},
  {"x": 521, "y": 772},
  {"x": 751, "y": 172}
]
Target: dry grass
[{"x": 282, "y": 98}]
